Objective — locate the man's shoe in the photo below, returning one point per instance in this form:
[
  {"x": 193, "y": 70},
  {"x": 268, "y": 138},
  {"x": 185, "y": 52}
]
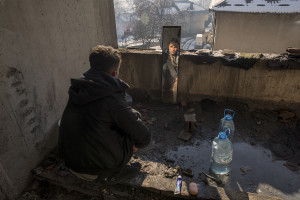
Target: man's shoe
[{"x": 127, "y": 172}]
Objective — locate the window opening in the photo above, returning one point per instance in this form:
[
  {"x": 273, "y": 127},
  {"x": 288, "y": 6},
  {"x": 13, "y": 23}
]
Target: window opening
[{"x": 139, "y": 23}]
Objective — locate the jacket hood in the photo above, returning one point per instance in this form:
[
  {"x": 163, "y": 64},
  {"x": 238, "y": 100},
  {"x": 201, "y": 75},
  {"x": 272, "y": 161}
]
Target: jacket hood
[{"x": 93, "y": 86}]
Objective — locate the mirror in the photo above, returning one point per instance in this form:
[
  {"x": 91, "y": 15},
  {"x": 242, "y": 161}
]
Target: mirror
[{"x": 170, "y": 55}]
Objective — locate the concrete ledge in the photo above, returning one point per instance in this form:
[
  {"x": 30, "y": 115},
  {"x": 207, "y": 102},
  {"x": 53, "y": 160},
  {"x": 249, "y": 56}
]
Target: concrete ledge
[{"x": 257, "y": 77}]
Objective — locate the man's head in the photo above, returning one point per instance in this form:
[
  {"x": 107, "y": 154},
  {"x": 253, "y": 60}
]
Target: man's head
[
  {"x": 105, "y": 58},
  {"x": 173, "y": 46}
]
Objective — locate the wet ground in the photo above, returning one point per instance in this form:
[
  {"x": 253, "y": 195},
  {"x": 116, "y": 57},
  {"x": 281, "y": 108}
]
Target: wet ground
[
  {"x": 266, "y": 148},
  {"x": 266, "y": 145}
]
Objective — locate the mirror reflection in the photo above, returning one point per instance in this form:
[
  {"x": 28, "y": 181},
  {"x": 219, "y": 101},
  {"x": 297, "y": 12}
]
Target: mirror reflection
[{"x": 170, "y": 54}]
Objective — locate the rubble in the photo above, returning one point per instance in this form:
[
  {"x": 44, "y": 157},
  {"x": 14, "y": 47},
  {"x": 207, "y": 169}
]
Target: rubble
[
  {"x": 285, "y": 116},
  {"x": 187, "y": 171},
  {"x": 228, "y": 52},
  {"x": 204, "y": 52},
  {"x": 184, "y": 135},
  {"x": 245, "y": 170},
  {"x": 293, "y": 52},
  {"x": 291, "y": 166}
]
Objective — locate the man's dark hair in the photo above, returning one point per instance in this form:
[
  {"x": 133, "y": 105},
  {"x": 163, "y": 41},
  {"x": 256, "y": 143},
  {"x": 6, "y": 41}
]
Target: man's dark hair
[
  {"x": 174, "y": 41},
  {"x": 104, "y": 58}
]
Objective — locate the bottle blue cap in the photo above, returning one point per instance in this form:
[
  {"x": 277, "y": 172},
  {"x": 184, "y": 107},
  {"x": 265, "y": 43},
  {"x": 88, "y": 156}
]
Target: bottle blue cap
[
  {"x": 223, "y": 135},
  {"x": 228, "y": 117}
]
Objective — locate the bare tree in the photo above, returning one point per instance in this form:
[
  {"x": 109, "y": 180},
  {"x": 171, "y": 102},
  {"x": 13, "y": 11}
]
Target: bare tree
[{"x": 152, "y": 15}]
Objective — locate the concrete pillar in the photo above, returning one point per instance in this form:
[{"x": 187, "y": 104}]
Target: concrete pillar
[{"x": 42, "y": 45}]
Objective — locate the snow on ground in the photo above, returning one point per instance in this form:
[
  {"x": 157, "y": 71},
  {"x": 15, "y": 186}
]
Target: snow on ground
[{"x": 188, "y": 43}]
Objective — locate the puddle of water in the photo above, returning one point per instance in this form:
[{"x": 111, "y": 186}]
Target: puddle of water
[
  {"x": 193, "y": 157},
  {"x": 267, "y": 176}
]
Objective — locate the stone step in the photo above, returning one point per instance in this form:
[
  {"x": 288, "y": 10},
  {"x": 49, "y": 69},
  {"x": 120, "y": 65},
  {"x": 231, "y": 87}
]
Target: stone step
[{"x": 157, "y": 184}]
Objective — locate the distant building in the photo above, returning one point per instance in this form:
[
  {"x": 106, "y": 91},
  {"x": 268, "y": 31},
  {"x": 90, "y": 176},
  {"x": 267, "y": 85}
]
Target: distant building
[
  {"x": 262, "y": 26},
  {"x": 192, "y": 17},
  {"x": 199, "y": 41}
]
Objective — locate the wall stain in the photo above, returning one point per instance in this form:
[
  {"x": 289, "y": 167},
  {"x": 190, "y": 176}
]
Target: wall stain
[
  {"x": 21, "y": 91},
  {"x": 23, "y": 103},
  {"x": 27, "y": 112},
  {"x": 12, "y": 71},
  {"x": 15, "y": 84},
  {"x": 36, "y": 128},
  {"x": 31, "y": 121},
  {"x": 24, "y": 112}
]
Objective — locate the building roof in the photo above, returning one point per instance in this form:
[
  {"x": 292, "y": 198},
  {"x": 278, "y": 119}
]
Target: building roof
[
  {"x": 170, "y": 10},
  {"x": 186, "y": 6},
  {"x": 183, "y": 6},
  {"x": 256, "y": 6}
]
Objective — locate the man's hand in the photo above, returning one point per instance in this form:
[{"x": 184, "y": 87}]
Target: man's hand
[{"x": 135, "y": 149}]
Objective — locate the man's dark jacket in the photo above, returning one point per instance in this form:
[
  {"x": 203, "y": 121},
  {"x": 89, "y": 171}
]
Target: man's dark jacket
[{"x": 98, "y": 128}]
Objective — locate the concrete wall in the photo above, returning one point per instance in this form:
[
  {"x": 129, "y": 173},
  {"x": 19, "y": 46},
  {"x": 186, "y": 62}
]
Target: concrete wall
[
  {"x": 258, "y": 83},
  {"x": 42, "y": 45},
  {"x": 261, "y": 33},
  {"x": 198, "y": 80},
  {"x": 141, "y": 69}
]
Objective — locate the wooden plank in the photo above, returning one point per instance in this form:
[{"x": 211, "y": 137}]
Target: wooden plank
[{"x": 68, "y": 186}]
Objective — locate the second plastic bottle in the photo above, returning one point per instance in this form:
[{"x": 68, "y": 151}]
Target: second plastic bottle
[
  {"x": 221, "y": 155},
  {"x": 227, "y": 122}
]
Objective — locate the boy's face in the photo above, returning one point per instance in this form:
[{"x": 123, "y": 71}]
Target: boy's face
[{"x": 173, "y": 48}]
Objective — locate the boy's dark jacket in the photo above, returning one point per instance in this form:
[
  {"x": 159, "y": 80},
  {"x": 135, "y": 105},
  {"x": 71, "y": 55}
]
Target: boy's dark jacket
[{"x": 98, "y": 128}]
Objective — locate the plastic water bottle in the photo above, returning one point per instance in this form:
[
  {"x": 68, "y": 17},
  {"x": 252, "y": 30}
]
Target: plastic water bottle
[
  {"x": 221, "y": 155},
  {"x": 227, "y": 122}
]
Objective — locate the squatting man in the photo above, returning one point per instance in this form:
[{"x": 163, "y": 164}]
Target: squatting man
[{"x": 99, "y": 130}]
